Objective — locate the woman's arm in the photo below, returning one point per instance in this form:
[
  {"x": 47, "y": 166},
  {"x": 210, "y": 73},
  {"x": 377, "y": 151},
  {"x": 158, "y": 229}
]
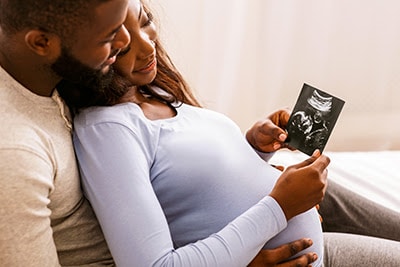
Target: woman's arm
[{"x": 115, "y": 165}]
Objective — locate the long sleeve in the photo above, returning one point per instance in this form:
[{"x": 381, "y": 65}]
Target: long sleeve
[{"x": 115, "y": 165}]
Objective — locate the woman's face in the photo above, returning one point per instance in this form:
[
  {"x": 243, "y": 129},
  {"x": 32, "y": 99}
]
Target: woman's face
[{"x": 137, "y": 62}]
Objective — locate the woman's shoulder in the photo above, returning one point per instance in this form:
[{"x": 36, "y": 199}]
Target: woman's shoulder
[
  {"x": 121, "y": 113},
  {"x": 125, "y": 115}
]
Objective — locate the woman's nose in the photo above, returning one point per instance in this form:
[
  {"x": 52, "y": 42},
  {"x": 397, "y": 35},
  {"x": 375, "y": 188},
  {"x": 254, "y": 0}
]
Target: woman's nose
[
  {"x": 122, "y": 39},
  {"x": 147, "y": 46}
]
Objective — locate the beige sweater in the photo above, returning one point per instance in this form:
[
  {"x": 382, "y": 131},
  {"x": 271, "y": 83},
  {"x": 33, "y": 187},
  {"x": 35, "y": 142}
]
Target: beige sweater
[{"x": 44, "y": 218}]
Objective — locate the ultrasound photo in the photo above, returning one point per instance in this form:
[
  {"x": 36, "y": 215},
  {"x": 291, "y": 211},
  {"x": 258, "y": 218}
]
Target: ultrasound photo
[{"x": 312, "y": 120}]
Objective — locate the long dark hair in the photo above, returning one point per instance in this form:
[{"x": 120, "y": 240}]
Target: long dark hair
[{"x": 170, "y": 80}]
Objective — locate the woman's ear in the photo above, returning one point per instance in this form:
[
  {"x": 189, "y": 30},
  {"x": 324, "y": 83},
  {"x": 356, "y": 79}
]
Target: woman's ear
[{"x": 43, "y": 43}]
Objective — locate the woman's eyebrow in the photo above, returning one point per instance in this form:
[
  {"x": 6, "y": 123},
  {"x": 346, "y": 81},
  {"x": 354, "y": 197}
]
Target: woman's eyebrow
[{"x": 140, "y": 11}]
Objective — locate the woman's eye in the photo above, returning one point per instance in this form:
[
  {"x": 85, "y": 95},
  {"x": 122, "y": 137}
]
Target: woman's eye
[
  {"x": 124, "y": 52},
  {"x": 149, "y": 19},
  {"x": 147, "y": 23}
]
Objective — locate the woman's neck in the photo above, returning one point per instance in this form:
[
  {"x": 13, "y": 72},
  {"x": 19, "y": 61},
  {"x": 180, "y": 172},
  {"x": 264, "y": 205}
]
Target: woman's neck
[{"x": 152, "y": 108}]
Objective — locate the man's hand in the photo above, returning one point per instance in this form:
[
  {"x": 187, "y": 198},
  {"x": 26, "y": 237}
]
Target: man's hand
[
  {"x": 279, "y": 256},
  {"x": 268, "y": 135}
]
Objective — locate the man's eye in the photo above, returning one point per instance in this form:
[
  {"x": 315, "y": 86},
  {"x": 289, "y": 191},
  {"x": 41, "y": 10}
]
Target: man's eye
[{"x": 110, "y": 40}]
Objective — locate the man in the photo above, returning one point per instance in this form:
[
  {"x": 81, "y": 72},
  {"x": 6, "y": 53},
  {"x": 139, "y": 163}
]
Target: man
[{"x": 44, "y": 218}]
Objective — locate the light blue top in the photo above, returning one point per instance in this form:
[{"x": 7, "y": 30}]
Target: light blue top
[{"x": 183, "y": 191}]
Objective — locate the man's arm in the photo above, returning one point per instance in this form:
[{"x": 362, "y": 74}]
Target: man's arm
[{"x": 26, "y": 237}]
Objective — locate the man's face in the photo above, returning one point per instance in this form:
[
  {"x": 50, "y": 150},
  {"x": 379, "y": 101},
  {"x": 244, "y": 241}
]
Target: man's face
[
  {"x": 85, "y": 60},
  {"x": 75, "y": 72},
  {"x": 96, "y": 45}
]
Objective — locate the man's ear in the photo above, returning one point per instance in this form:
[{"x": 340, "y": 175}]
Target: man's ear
[{"x": 43, "y": 43}]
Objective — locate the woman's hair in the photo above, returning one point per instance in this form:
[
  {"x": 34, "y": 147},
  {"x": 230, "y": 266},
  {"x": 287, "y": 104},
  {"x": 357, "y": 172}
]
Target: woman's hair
[
  {"x": 57, "y": 16},
  {"x": 170, "y": 80}
]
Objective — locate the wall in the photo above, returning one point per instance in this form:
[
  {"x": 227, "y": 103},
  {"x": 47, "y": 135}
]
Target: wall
[{"x": 246, "y": 58}]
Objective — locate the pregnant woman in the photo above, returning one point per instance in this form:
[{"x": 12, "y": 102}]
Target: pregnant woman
[{"x": 174, "y": 184}]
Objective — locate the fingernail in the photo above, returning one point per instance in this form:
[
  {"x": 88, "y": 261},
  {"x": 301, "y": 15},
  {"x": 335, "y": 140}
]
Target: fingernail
[
  {"x": 282, "y": 137},
  {"x": 315, "y": 153},
  {"x": 315, "y": 257},
  {"x": 276, "y": 146}
]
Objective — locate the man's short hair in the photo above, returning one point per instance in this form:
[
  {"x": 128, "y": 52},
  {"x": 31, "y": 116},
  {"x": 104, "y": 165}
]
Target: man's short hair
[{"x": 61, "y": 17}]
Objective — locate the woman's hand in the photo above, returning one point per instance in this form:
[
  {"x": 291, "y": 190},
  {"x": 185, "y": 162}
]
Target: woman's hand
[
  {"x": 302, "y": 186},
  {"x": 268, "y": 135},
  {"x": 278, "y": 257}
]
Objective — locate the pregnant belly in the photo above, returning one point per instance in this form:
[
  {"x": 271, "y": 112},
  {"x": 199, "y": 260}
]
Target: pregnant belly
[{"x": 305, "y": 225}]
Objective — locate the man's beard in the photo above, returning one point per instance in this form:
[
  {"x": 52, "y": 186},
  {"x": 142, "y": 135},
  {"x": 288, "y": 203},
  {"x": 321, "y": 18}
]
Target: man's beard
[{"x": 81, "y": 86}]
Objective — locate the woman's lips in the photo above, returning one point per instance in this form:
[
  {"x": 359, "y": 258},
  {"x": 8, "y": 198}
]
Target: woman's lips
[{"x": 149, "y": 67}]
